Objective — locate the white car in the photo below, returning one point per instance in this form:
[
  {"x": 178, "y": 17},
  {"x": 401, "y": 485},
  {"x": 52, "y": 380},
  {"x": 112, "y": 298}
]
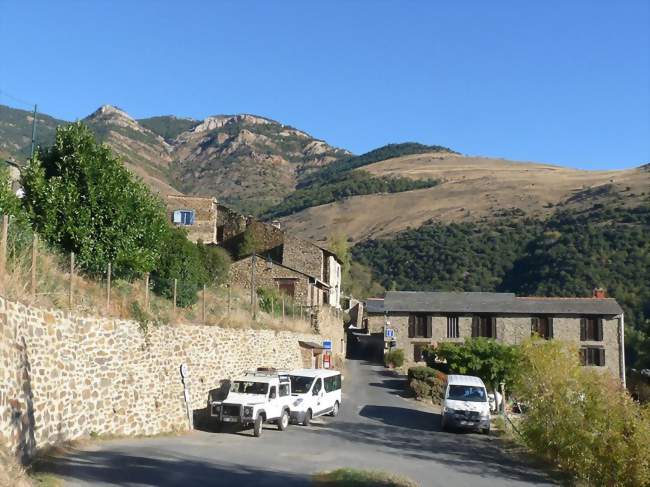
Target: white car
[
  {"x": 465, "y": 404},
  {"x": 254, "y": 399},
  {"x": 315, "y": 392}
]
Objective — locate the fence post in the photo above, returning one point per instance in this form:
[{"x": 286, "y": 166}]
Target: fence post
[
  {"x": 71, "y": 280},
  {"x": 108, "y": 289},
  {"x": 174, "y": 309},
  {"x": 146, "y": 292},
  {"x": 34, "y": 257},
  {"x": 204, "y": 304},
  {"x": 229, "y": 298},
  {"x": 3, "y": 253}
]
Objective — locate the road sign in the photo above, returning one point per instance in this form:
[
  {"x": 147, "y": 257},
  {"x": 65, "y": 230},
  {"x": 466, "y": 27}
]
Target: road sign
[
  {"x": 327, "y": 344},
  {"x": 390, "y": 333}
]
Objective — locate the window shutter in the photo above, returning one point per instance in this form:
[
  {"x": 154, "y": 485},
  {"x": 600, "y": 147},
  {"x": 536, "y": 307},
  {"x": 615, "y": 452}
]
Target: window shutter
[
  {"x": 493, "y": 327},
  {"x": 177, "y": 217},
  {"x": 583, "y": 329},
  {"x": 601, "y": 356},
  {"x": 191, "y": 217},
  {"x": 429, "y": 327},
  {"x": 599, "y": 331},
  {"x": 411, "y": 326},
  {"x": 550, "y": 327},
  {"x": 534, "y": 326},
  {"x": 475, "y": 324}
]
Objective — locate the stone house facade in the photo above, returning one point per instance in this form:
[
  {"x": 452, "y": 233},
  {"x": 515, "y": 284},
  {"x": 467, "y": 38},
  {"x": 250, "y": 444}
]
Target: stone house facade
[
  {"x": 319, "y": 267},
  {"x": 419, "y": 319},
  {"x": 197, "y": 214}
]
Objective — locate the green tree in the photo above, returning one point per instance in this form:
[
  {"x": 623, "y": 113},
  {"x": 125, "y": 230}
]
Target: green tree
[
  {"x": 248, "y": 244},
  {"x": 216, "y": 262},
  {"x": 181, "y": 260},
  {"x": 492, "y": 361},
  {"x": 82, "y": 199}
]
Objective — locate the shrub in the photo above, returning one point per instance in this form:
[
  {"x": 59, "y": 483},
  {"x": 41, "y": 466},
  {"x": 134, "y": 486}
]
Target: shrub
[
  {"x": 420, "y": 372},
  {"x": 420, "y": 388},
  {"x": 581, "y": 419},
  {"x": 216, "y": 262},
  {"x": 269, "y": 299},
  {"x": 180, "y": 260},
  {"x": 437, "y": 387},
  {"x": 394, "y": 357}
]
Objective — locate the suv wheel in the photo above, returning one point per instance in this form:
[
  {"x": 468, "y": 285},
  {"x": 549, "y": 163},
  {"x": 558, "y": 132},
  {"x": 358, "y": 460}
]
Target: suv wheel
[
  {"x": 307, "y": 420},
  {"x": 335, "y": 409},
  {"x": 257, "y": 426},
  {"x": 283, "y": 422}
]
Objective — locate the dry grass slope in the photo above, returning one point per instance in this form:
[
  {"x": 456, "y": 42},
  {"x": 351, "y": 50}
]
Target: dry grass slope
[{"x": 471, "y": 188}]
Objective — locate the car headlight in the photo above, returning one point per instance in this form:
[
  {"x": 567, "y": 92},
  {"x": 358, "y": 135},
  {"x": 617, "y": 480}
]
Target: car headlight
[
  {"x": 297, "y": 402},
  {"x": 248, "y": 411}
]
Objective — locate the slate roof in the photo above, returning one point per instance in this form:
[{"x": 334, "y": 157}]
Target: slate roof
[
  {"x": 375, "y": 305},
  {"x": 495, "y": 303}
]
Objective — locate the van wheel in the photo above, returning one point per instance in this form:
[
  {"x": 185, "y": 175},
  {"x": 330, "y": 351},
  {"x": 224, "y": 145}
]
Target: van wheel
[
  {"x": 257, "y": 426},
  {"x": 335, "y": 409},
  {"x": 307, "y": 420},
  {"x": 283, "y": 422}
]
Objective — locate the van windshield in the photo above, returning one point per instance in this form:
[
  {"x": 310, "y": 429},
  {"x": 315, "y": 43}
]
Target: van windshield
[
  {"x": 249, "y": 387},
  {"x": 467, "y": 393},
  {"x": 300, "y": 384}
]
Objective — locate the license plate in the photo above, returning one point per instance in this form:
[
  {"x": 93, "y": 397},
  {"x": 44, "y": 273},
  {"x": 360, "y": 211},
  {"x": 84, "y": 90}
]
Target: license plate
[{"x": 230, "y": 420}]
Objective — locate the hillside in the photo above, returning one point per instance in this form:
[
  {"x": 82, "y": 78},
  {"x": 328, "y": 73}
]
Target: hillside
[
  {"x": 247, "y": 161},
  {"x": 469, "y": 189}
]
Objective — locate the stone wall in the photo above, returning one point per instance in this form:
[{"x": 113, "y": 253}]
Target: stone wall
[
  {"x": 229, "y": 223},
  {"x": 302, "y": 255},
  {"x": 512, "y": 330},
  {"x": 64, "y": 377}
]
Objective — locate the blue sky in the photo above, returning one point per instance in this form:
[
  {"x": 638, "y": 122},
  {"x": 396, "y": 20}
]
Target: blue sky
[{"x": 555, "y": 81}]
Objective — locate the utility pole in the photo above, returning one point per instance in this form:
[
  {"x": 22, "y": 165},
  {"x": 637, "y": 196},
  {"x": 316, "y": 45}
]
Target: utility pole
[{"x": 33, "y": 132}]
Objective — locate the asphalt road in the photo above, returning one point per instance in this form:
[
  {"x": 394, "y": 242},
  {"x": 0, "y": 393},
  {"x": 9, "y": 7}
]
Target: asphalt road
[{"x": 377, "y": 429}]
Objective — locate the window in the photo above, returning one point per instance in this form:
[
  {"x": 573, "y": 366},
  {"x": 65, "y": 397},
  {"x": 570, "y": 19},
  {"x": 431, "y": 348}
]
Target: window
[
  {"x": 592, "y": 356},
  {"x": 287, "y": 286},
  {"x": 542, "y": 326},
  {"x": 484, "y": 326},
  {"x": 183, "y": 217},
  {"x": 591, "y": 329},
  {"x": 272, "y": 393},
  {"x": 300, "y": 384},
  {"x": 418, "y": 352},
  {"x": 317, "y": 386},
  {"x": 419, "y": 326},
  {"x": 332, "y": 383},
  {"x": 284, "y": 390},
  {"x": 452, "y": 327}
]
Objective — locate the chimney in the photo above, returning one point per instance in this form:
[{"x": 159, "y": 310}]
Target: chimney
[{"x": 600, "y": 293}]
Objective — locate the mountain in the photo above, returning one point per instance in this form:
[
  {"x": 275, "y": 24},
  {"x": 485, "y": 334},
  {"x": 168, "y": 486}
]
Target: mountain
[
  {"x": 247, "y": 161},
  {"x": 469, "y": 189}
]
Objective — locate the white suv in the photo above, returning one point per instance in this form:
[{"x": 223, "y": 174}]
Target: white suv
[
  {"x": 315, "y": 392},
  {"x": 254, "y": 399}
]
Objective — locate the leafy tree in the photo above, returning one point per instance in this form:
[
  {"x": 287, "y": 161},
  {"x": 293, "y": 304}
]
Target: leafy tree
[
  {"x": 181, "y": 260},
  {"x": 216, "y": 262},
  {"x": 580, "y": 419},
  {"x": 248, "y": 244},
  {"x": 492, "y": 361},
  {"x": 82, "y": 199}
]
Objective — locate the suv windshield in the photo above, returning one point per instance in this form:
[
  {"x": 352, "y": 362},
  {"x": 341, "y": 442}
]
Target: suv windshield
[
  {"x": 300, "y": 384},
  {"x": 249, "y": 387},
  {"x": 467, "y": 393}
]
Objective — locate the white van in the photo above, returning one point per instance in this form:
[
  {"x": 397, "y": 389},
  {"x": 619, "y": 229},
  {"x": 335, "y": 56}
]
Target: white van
[
  {"x": 315, "y": 392},
  {"x": 465, "y": 404}
]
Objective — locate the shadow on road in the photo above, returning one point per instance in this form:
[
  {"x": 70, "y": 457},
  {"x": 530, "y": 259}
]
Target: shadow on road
[{"x": 116, "y": 468}]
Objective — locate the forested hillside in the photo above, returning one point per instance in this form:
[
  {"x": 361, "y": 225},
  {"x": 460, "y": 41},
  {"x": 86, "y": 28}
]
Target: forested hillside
[{"x": 567, "y": 255}]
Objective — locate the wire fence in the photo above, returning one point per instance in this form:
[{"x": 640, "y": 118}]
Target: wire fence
[{"x": 33, "y": 273}]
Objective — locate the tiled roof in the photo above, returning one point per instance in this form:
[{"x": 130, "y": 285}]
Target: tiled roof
[
  {"x": 501, "y": 303},
  {"x": 375, "y": 305}
]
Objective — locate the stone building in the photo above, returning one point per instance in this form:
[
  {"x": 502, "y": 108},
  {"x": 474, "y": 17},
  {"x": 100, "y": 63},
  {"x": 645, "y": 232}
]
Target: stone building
[
  {"x": 413, "y": 320},
  {"x": 197, "y": 214},
  {"x": 317, "y": 269}
]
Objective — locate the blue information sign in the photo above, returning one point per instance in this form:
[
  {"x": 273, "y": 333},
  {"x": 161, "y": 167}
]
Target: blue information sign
[{"x": 327, "y": 344}]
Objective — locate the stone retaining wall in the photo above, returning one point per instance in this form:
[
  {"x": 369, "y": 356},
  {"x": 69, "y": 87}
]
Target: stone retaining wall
[{"x": 64, "y": 377}]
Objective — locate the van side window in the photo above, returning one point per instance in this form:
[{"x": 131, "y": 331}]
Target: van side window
[
  {"x": 284, "y": 390},
  {"x": 333, "y": 383},
  {"x": 317, "y": 386}
]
